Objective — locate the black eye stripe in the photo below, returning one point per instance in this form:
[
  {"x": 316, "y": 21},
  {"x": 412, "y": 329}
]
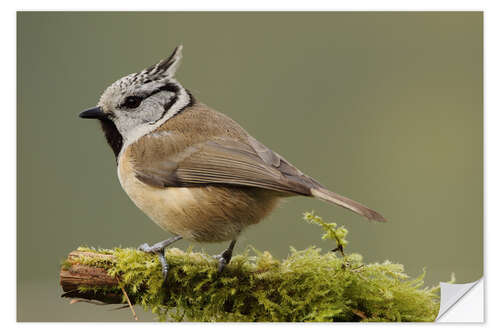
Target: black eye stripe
[{"x": 168, "y": 87}]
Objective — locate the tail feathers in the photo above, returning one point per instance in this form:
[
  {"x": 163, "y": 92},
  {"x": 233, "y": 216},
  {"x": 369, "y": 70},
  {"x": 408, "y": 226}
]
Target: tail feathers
[{"x": 328, "y": 196}]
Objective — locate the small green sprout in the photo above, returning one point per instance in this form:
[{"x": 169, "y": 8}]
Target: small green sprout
[{"x": 331, "y": 231}]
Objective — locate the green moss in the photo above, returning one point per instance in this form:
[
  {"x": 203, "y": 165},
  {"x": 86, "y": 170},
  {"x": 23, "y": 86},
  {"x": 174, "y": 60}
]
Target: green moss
[{"x": 307, "y": 286}]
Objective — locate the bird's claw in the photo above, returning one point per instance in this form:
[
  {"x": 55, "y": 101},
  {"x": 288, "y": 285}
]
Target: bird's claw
[
  {"x": 159, "y": 248},
  {"x": 164, "y": 265},
  {"x": 161, "y": 256},
  {"x": 224, "y": 258}
]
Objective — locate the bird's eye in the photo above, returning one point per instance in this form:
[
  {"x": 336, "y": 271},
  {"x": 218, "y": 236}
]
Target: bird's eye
[{"x": 132, "y": 102}]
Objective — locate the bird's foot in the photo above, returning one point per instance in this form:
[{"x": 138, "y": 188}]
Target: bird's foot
[
  {"x": 164, "y": 264},
  {"x": 224, "y": 258},
  {"x": 159, "y": 248},
  {"x": 146, "y": 248},
  {"x": 161, "y": 256}
]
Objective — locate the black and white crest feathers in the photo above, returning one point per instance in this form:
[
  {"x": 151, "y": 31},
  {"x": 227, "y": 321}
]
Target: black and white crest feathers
[{"x": 165, "y": 69}]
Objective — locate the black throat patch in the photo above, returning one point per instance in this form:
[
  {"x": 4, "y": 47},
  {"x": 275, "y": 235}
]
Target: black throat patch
[{"x": 114, "y": 138}]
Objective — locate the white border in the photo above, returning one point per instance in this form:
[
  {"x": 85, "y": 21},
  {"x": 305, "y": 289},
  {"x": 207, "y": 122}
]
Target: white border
[{"x": 8, "y": 135}]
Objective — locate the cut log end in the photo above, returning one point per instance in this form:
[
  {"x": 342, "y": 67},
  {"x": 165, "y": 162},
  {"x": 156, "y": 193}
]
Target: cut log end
[{"x": 74, "y": 275}]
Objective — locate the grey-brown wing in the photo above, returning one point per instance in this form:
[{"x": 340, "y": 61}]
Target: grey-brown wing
[{"x": 224, "y": 161}]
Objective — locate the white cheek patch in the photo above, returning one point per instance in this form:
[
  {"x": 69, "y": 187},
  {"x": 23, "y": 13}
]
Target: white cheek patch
[
  {"x": 132, "y": 132},
  {"x": 124, "y": 125}
]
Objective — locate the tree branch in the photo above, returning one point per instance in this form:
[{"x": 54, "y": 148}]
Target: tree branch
[{"x": 307, "y": 286}]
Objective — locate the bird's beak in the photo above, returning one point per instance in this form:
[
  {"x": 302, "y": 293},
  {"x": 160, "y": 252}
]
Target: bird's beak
[{"x": 93, "y": 113}]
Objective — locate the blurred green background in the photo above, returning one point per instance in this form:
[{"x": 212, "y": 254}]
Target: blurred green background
[{"x": 386, "y": 108}]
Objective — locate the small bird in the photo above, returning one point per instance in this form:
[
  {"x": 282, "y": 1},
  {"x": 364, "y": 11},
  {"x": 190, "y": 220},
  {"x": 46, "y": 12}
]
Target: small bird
[{"x": 194, "y": 171}]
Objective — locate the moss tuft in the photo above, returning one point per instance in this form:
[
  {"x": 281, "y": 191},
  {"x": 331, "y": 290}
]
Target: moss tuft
[{"x": 307, "y": 286}]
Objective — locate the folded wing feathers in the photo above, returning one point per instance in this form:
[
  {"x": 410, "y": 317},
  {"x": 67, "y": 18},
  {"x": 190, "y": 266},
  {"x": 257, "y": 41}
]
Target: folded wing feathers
[{"x": 235, "y": 163}]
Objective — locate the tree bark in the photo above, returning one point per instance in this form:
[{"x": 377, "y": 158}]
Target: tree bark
[{"x": 74, "y": 275}]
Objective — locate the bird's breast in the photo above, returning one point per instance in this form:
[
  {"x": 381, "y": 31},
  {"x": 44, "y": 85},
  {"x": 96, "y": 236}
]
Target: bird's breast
[{"x": 164, "y": 206}]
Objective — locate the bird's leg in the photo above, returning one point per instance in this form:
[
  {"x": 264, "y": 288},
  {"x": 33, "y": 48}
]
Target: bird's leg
[
  {"x": 226, "y": 255},
  {"x": 160, "y": 245},
  {"x": 159, "y": 248}
]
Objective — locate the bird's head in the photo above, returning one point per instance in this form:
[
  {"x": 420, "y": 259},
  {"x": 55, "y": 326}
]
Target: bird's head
[{"x": 140, "y": 102}]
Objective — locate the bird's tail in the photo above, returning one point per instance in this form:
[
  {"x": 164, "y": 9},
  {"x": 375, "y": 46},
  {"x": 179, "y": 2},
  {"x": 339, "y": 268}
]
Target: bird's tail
[{"x": 328, "y": 196}]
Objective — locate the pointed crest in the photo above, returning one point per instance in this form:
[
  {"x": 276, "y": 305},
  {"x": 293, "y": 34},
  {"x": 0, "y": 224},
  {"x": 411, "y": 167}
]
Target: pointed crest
[{"x": 167, "y": 67}]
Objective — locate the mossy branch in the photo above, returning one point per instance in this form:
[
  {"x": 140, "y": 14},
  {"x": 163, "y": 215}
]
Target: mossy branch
[{"x": 307, "y": 286}]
